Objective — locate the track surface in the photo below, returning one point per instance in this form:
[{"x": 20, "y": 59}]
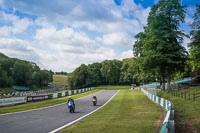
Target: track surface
[{"x": 48, "y": 119}]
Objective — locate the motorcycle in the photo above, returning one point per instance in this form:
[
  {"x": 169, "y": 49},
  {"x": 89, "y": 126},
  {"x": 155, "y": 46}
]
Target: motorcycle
[
  {"x": 71, "y": 107},
  {"x": 94, "y": 100}
]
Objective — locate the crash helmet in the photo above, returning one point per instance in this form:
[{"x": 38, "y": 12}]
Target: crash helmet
[{"x": 70, "y": 97}]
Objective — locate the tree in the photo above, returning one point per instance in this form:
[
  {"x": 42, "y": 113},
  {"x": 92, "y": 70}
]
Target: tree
[
  {"x": 44, "y": 77},
  {"x": 77, "y": 79},
  {"x": 194, "y": 46},
  {"x": 110, "y": 70},
  {"x": 3, "y": 78},
  {"x": 21, "y": 73},
  {"x": 94, "y": 76},
  {"x": 129, "y": 72},
  {"x": 160, "y": 47}
]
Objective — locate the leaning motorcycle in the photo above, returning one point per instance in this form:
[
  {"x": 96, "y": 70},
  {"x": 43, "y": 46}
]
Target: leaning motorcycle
[
  {"x": 71, "y": 107},
  {"x": 94, "y": 101}
]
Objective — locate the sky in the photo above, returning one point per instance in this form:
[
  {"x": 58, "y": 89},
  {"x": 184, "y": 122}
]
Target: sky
[{"x": 60, "y": 35}]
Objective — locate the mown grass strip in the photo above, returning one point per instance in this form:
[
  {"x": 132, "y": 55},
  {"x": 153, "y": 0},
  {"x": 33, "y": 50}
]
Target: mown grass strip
[
  {"x": 129, "y": 111},
  {"x": 36, "y": 105},
  {"x": 111, "y": 87},
  {"x": 187, "y": 113}
]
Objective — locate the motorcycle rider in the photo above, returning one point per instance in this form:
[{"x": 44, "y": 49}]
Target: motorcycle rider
[
  {"x": 94, "y": 100},
  {"x": 71, "y": 100}
]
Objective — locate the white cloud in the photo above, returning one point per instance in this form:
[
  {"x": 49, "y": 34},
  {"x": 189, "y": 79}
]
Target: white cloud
[
  {"x": 18, "y": 48},
  {"x": 186, "y": 41},
  {"x": 142, "y": 15},
  {"x": 18, "y": 25},
  {"x": 5, "y": 31},
  {"x": 119, "y": 38},
  {"x": 66, "y": 48},
  {"x": 125, "y": 54}
]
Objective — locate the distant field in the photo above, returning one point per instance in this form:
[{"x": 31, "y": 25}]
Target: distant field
[
  {"x": 60, "y": 79},
  {"x": 110, "y": 87},
  {"x": 128, "y": 112},
  {"x": 187, "y": 113}
]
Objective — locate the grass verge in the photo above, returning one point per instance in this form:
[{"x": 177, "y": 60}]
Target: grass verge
[
  {"x": 187, "y": 113},
  {"x": 129, "y": 111},
  {"x": 35, "y": 105},
  {"x": 112, "y": 87}
]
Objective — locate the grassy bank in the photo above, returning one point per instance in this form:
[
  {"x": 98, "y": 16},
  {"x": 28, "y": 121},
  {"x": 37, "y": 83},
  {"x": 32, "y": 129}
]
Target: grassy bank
[
  {"x": 129, "y": 111},
  {"x": 187, "y": 113},
  {"x": 111, "y": 87},
  {"x": 60, "y": 79},
  {"x": 35, "y": 105}
]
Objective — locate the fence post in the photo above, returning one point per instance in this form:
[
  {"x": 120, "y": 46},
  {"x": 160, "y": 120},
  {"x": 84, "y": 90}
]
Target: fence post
[
  {"x": 185, "y": 95},
  {"x": 194, "y": 97},
  {"x": 189, "y": 96}
]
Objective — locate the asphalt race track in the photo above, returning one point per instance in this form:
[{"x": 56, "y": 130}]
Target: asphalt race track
[{"x": 49, "y": 119}]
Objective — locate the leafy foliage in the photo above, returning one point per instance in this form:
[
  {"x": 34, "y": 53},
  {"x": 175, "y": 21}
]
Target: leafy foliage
[
  {"x": 108, "y": 72},
  {"x": 158, "y": 48},
  {"x": 19, "y": 72}
]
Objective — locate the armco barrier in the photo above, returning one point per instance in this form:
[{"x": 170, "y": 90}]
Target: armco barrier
[
  {"x": 19, "y": 100},
  {"x": 11, "y": 101},
  {"x": 37, "y": 98},
  {"x": 168, "y": 124}
]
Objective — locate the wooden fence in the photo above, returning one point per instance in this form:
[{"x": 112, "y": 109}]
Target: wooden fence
[{"x": 187, "y": 95}]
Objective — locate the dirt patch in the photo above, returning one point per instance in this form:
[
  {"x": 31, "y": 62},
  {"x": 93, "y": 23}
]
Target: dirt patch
[
  {"x": 183, "y": 125},
  {"x": 160, "y": 121}
]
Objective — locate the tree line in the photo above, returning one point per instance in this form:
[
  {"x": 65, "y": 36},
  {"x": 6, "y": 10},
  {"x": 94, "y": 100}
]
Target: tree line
[
  {"x": 23, "y": 73},
  {"x": 108, "y": 72}
]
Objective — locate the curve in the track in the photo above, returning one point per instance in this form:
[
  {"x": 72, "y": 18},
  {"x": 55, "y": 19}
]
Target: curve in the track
[{"x": 49, "y": 119}]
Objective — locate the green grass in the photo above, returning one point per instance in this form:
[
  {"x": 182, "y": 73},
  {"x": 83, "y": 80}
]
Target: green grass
[
  {"x": 111, "y": 87},
  {"x": 35, "y": 105},
  {"x": 128, "y": 112},
  {"x": 187, "y": 113},
  {"x": 60, "y": 79}
]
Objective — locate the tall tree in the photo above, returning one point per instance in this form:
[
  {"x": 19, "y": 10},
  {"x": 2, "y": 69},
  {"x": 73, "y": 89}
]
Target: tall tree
[{"x": 161, "y": 51}]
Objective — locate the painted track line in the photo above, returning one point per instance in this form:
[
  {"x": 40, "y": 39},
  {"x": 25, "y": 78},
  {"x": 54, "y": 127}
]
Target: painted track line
[
  {"x": 44, "y": 107},
  {"x": 60, "y": 128}
]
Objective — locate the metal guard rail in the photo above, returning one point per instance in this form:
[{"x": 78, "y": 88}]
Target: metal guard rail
[{"x": 168, "y": 124}]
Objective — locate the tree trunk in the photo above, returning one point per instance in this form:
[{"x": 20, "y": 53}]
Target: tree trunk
[
  {"x": 163, "y": 80},
  {"x": 168, "y": 82},
  {"x": 160, "y": 81}
]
